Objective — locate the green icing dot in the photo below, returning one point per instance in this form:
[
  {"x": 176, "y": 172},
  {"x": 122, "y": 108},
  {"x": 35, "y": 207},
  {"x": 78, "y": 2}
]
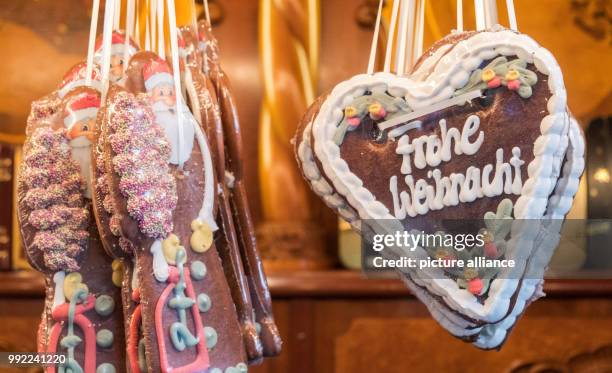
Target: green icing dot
[
  {"x": 106, "y": 368},
  {"x": 242, "y": 367},
  {"x": 105, "y": 305},
  {"x": 104, "y": 338},
  {"x": 198, "y": 270},
  {"x": 216, "y": 370},
  {"x": 211, "y": 336},
  {"x": 232, "y": 370},
  {"x": 204, "y": 302}
]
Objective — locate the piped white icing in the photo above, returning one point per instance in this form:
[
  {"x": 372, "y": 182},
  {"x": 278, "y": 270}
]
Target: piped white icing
[
  {"x": 436, "y": 87},
  {"x": 161, "y": 269},
  {"x": 58, "y": 294}
]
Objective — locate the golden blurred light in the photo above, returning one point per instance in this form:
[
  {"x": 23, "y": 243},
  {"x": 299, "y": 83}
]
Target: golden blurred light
[{"x": 602, "y": 175}]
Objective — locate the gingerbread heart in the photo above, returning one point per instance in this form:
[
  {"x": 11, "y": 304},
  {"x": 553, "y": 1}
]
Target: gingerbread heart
[{"x": 441, "y": 144}]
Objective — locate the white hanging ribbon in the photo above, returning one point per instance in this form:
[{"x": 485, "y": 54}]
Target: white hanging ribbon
[
  {"x": 480, "y": 18},
  {"x": 92, "y": 41},
  {"x": 153, "y": 23},
  {"x": 128, "y": 31},
  {"x": 375, "y": 40},
  {"x": 408, "y": 59},
  {"x": 490, "y": 7},
  {"x": 117, "y": 15},
  {"x": 458, "y": 100},
  {"x": 161, "y": 37},
  {"x": 207, "y": 12},
  {"x": 137, "y": 23},
  {"x": 176, "y": 71},
  {"x": 107, "y": 33},
  {"x": 400, "y": 58},
  {"x": 511, "y": 15},
  {"x": 460, "y": 15},
  {"x": 420, "y": 32},
  {"x": 391, "y": 38}
]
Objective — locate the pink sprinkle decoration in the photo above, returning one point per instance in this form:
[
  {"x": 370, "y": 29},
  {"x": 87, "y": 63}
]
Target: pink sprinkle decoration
[
  {"x": 141, "y": 161},
  {"x": 53, "y": 183}
]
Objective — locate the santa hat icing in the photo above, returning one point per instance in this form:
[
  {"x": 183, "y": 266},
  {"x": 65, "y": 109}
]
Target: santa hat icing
[
  {"x": 75, "y": 77},
  {"x": 83, "y": 106},
  {"x": 117, "y": 45},
  {"x": 157, "y": 72}
]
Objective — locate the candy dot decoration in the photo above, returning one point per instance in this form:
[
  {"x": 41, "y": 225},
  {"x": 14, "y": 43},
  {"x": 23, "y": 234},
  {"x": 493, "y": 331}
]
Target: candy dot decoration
[
  {"x": 54, "y": 195},
  {"x": 475, "y": 286},
  {"x": 141, "y": 161}
]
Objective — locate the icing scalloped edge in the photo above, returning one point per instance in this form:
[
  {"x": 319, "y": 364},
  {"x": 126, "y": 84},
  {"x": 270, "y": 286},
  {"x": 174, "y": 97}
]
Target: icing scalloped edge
[{"x": 438, "y": 86}]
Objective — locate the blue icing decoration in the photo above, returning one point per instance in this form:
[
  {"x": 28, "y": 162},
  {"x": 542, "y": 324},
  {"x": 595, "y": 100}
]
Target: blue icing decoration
[
  {"x": 242, "y": 367},
  {"x": 71, "y": 340},
  {"x": 105, "y": 305},
  {"x": 198, "y": 270},
  {"x": 104, "y": 338},
  {"x": 204, "y": 302},
  {"x": 180, "y": 335},
  {"x": 106, "y": 368},
  {"x": 232, "y": 370},
  {"x": 211, "y": 336},
  {"x": 216, "y": 370},
  {"x": 257, "y": 327}
]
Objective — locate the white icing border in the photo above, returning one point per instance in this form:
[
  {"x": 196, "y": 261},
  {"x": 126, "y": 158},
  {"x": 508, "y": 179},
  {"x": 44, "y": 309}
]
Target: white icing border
[{"x": 451, "y": 73}]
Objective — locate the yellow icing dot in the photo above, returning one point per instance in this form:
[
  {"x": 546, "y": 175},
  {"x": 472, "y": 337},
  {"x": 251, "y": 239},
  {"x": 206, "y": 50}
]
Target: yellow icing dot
[
  {"x": 374, "y": 108},
  {"x": 72, "y": 282},
  {"x": 117, "y": 276},
  {"x": 202, "y": 236},
  {"x": 169, "y": 247},
  {"x": 470, "y": 273},
  {"x": 488, "y": 74},
  {"x": 350, "y": 111},
  {"x": 512, "y": 74}
]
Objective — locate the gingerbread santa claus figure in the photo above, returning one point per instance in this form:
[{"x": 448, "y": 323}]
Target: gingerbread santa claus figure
[
  {"x": 160, "y": 87},
  {"x": 80, "y": 121},
  {"x": 118, "y": 54}
]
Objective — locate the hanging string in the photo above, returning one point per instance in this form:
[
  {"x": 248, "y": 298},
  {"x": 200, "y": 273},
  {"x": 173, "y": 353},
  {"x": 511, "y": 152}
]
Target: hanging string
[
  {"x": 490, "y": 7},
  {"x": 460, "y": 15},
  {"x": 137, "y": 23},
  {"x": 117, "y": 15},
  {"x": 479, "y": 10},
  {"x": 511, "y": 15},
  {"x": 388, "y": 52},
  {"x": 194, "y": 20},
  {"x": 128, "y": 31},
  {"x": 92, "y": 41},
  {"x": 161, "y": 39},
  {"x": 107, "y": 33},
  {"x": 207, "y": 12},
  {"x": 153, "y": 23},
  {"x": 400, "y": 57},
  {"x": 420, "y": 31},
  {"x": 177, "y": 77},
  {"x": 409, "y": 36},
  {"x": 375, "y": 40}
]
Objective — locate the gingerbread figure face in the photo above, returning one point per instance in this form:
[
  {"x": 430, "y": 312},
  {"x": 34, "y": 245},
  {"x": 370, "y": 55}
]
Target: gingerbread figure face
[
  {"x": 116, "y": 67},
  {"x": 163, "y": 93},
  {"x": 82, "y": 128}
]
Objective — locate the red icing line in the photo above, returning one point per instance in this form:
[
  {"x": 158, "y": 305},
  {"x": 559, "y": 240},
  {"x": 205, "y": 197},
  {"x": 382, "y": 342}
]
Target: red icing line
[
  {"x": 60, "y": 315},
  {"x": 202, "y": 360},
  {"x": 132, "y": 345}
]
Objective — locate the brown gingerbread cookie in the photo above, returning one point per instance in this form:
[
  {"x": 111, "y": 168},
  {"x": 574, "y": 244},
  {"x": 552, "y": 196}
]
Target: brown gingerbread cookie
[
  {"x": 162, "y": 183},
  {"x": 82, "y": 315}
]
